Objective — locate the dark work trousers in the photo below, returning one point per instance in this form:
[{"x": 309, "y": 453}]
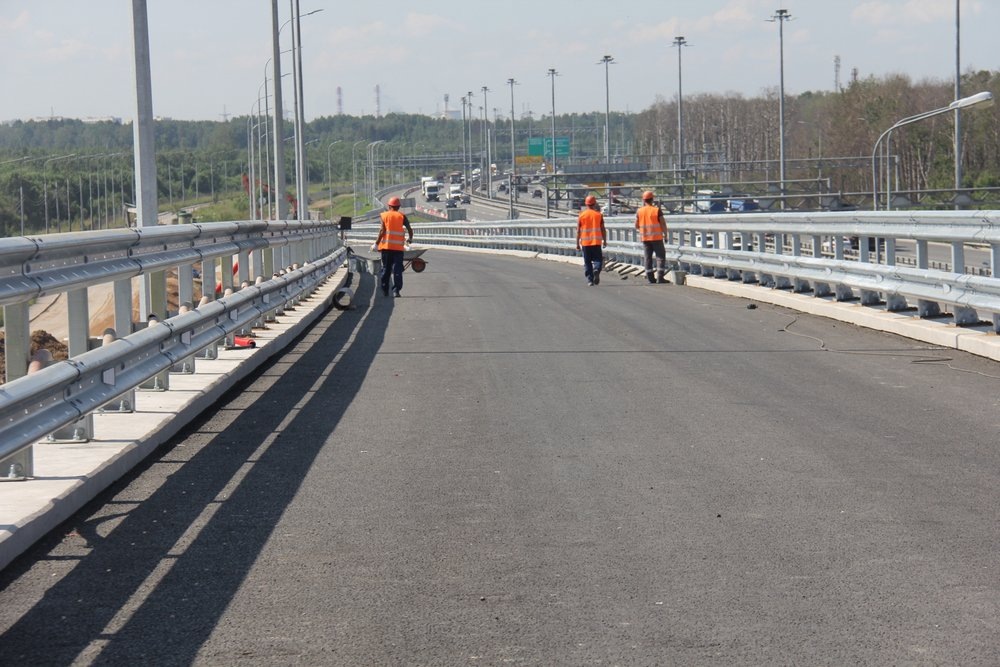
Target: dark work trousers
[
  {"x": 650, "y": 248},
  {"x": 392, "y": 261},
  {"x": 593, "y": 258}
]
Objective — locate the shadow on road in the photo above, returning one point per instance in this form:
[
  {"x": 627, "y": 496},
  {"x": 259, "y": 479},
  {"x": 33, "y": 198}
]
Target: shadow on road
[{"x": 152, "y": 588}]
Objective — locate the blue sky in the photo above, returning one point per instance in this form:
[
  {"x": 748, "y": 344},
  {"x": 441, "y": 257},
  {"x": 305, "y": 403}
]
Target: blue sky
[{"x": 74, "y": 58}]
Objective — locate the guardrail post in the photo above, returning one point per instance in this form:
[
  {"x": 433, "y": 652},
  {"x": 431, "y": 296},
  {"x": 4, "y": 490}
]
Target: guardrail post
[
  {"x": 160, "y": 381},
  {"x": 260, "y": 322},
  {"x": 209, "y": 279},
  {"x": 78, "y": 314},
  {"x": 922, "y": 255},
  {"x": 268, "y": 263},
  {"x": 185, "y": 366},
  {"x": 957, "y": 257},
  {"x": 244, "y": 266},
  {"x": 212, "y": 350},
  {"x": 157, "y": 294},
  {"x": 126, "y": 401},
  {"x": 863, "y": 249},
  {"x": 258, "y": 265},
  {"x": 17, "y": 345},
  {"x": 185, "y": 283}
]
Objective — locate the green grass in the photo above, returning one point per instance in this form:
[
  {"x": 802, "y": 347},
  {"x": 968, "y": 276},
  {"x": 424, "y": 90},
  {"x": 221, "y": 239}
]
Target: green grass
[{"x": 234, "y": 208}]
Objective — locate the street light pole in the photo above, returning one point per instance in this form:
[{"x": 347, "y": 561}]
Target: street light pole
[
  {"x": 607, "y": 60},
  {"x": 329, "y": 173},
  {"x": 354, "y": 174},
  {"x": 279, "y": 119},
  {"x": 468, "y": 164},
  {"x": 513, "y": 163},
  {"x": 958, "y": 95},
  {"x": 463, "y": 139},
  {"x": 680, "y": 42},
  {"x": 780, "y": 16},
  {"x": 489, "y": 158},
  {"x": 983, "y": 99},
  {"x": 552, "y": 161}
]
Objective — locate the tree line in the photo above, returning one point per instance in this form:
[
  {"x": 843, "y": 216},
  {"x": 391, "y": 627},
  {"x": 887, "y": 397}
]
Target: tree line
[
  {"x": 66, "y": 174},
  {"x": 835, "y": 131}
]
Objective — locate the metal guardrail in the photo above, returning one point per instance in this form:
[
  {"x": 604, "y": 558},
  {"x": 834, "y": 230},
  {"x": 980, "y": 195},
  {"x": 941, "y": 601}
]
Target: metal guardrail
[
  {"x": 802, "y": 252},
  {"x": 35, "y": 405}
]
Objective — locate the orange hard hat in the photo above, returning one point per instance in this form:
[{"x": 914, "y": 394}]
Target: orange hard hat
[
  {"x": 394, "y": 201},
  {"x": 647, "y": 195},
  {"x": 590, "y": 200}
]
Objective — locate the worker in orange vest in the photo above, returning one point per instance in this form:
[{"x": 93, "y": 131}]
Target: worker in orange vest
[
  {"x": 591, "y": 236},
  {"x": 652, "y": 230},
  {"x": 391, "y": 242}
]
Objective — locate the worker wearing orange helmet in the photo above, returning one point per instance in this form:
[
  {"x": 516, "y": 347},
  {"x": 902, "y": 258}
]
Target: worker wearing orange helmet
[
  {"x": 652, "y": 230},
  {"x": 591, "y": 236},
  {"x": 391, "y": 242}
]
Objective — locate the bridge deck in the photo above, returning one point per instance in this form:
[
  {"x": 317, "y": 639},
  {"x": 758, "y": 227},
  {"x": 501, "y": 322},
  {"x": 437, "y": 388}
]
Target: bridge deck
[{"x": 506, "y": 465}]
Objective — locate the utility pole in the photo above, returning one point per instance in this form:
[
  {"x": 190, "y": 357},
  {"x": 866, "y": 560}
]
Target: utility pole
[
  {"x": 552, "y": 162},
  {"x": 513, "y": 163},
  {"x": 680, "y": 42},
  {"x": 153, "y": 295},
  {"x": 780, "y": 16},
  {"x": 279, "y": 119}
]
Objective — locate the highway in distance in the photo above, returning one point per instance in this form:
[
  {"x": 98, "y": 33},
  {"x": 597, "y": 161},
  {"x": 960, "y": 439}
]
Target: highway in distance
[{"x": 506, "y": 466}]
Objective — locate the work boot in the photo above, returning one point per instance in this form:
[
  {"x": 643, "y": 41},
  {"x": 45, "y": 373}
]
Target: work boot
[
  {"x": 597, "y": 277},
  {"x": 650, "y": 278},
  {"x": 660, "y": 279}
]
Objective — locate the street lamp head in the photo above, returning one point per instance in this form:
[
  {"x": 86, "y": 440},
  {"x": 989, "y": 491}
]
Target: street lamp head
[{"x": 983, "y": 99}]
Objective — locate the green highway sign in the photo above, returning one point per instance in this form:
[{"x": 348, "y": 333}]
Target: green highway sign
[{"x": 543, "y": 146}]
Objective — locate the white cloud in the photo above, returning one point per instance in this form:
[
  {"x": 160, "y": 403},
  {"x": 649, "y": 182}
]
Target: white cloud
[{"x": 15, "y": 24}]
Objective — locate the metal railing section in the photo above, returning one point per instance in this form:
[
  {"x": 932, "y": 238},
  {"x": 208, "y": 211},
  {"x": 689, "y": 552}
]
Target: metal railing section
[
  {"x": 802, "y": 252},
  {"x": 38, "y": 404}
]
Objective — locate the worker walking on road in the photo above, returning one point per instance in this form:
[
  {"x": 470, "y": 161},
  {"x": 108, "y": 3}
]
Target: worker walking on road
[
  {"x": 591, "y": 236},
  {"x": 392, "y": 241},
  {"x": 652, "y": 229}
]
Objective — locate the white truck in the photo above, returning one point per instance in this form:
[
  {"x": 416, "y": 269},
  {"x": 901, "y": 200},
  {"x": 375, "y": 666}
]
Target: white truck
[{"x": 432, "y": 190}]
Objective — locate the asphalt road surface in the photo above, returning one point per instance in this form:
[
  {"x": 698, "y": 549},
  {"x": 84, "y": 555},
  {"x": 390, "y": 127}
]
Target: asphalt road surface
[{"x": 505, "y": 466}]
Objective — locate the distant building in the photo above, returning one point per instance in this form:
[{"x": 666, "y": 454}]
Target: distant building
[
  {"x": 60, "y": 119},
  {"x": 102, "y": 119}
]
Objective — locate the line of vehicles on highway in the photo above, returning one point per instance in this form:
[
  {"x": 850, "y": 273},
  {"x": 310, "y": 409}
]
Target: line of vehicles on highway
[{"x": 449, "y": 188}]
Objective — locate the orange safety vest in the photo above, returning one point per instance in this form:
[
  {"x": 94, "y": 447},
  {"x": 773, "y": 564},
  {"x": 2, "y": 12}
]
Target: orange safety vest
[
  {"x": 647, "y": 219},
  {"x": 395, "y": 233},
  {"x": 589, "y": 225}
]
